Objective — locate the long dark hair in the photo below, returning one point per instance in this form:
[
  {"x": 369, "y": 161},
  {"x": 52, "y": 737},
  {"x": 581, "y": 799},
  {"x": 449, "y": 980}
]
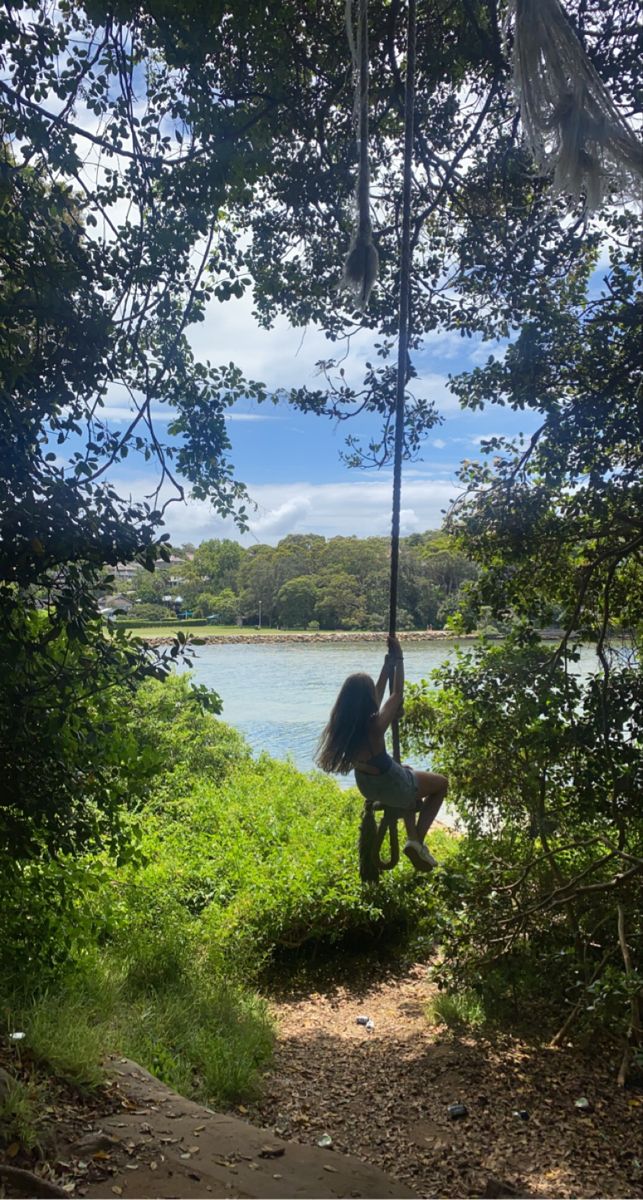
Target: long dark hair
[{"x": 347, "y": 728}]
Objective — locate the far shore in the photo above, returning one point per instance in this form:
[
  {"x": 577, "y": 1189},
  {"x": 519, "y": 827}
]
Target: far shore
[{"x": 278, "y": 635}]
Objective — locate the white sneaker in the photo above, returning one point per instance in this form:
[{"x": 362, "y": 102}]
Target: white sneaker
[{"x": 419, "y": 855}]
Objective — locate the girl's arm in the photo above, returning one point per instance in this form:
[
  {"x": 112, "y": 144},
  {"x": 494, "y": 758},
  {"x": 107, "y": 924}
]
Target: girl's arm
[
  {"x": 391, "y": 708},
  {"x": 380, "y": 686}
]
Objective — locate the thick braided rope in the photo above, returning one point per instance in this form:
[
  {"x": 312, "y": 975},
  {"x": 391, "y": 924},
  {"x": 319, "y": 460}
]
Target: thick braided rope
[{"x": 361, "y": 265}]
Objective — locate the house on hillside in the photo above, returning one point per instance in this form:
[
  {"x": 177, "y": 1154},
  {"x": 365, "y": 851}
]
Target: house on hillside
[
  {"x": 125, "y": 572},
  {"x": 109, "y": 605}
]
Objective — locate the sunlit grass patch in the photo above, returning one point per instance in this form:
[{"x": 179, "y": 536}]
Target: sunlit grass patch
[
  {"x": 207, "y": 1042},
  {"x": 63, "y": 1032},
  {"x": 458, "y": 1010},
  {"x": 203, "y": 1036}
]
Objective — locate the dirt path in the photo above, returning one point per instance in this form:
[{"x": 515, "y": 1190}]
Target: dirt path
[
  {"x": 383, "y": 1096},
  {"x": 380, "y": 1096}
]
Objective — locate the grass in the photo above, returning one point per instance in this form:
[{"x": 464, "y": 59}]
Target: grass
[
  {"x": 21, "y": 1113},
  {"x": 458, "y": 1010},
  {"x": 250, "y": 631},
  {"x": 201, "y": 1035},
  {"x": 241, "y": 864}
]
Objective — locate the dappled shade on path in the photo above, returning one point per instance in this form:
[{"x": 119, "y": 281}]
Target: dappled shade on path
[{"x": 383, "y": 1095}]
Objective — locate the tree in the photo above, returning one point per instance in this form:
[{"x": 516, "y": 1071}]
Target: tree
[
  {"x": 339, "y": 602},
  {"x": 296, "y": 601},
  {"x": 546, "y": 896},
  {"x": 215, "y": 564},
  {"x": 149, "y": 587},
  {"x": 225, "y": 607},
  {"x": 488, "y": 236},
  {"x": 259, "y": 583},
  {"x": 557, "y": 521}
]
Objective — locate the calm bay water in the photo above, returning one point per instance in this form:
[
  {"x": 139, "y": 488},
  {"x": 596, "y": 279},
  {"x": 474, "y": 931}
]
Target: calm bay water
[{"x": 279, "y": 694}]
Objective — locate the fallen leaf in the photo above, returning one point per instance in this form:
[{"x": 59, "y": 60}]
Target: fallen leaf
[
  {"x": 12, "y": 1150},
  {"x": 118, "y": 1191}
]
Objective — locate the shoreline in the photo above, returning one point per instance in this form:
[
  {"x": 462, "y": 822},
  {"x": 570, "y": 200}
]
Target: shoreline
[{"x": 306, "y": 636}]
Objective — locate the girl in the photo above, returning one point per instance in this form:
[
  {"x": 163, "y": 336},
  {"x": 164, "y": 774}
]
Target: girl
[{"x": 354, "y": 740}]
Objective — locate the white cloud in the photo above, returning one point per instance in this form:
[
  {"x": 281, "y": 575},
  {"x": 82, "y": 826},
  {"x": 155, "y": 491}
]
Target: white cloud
[
  {"x": 241, "y": 416},
  {"x": 486, "y": 350},
  {"x": 435, "y": 387},
  {"x": 286, "y": 357},
  {"x": 355, "y": 507},
  {"x": 281, "y": 357},
  {"x": 277, "y": 522},
  {"x": 409, "y": 521}
]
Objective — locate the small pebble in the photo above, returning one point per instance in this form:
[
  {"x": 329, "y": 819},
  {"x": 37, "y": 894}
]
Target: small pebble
[{"x": 456, "y": 1111}]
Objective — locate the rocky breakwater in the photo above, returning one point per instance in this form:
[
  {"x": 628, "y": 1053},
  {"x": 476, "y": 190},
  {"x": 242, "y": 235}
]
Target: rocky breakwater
[{"x": 256, "y": 638}]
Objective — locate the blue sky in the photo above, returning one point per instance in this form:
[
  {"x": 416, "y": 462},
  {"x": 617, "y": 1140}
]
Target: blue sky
[{"x": 291, "y": 463}]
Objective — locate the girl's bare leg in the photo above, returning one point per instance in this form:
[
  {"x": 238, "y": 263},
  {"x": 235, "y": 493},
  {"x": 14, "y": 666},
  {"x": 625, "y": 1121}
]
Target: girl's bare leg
[
  {"x": 432, "y": 788},
  {"x": 411, "y": 826}
]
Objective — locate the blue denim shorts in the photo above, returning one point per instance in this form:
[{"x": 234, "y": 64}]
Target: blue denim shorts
[{"x": 396, "y": 788}]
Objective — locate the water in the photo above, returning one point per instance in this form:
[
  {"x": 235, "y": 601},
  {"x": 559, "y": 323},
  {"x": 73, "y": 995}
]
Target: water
[{"x": 279, "y": 694}]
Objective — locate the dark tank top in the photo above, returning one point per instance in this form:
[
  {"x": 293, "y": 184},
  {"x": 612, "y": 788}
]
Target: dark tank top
[{"x": 381, "y": 761}]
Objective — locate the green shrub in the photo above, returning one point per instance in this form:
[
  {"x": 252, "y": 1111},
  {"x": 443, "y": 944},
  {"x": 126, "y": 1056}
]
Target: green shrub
[
  {"x": 545, "y": 890},
  {"x": 150, "y": 614},
  {"x": 169, "y": 624},
  {"x": 49, "y": 916},
  {"x": 265, "y": 861}
]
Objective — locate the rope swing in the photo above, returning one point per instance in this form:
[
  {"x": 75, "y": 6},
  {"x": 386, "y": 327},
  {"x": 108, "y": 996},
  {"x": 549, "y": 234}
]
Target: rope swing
[
  {"x": 574, "y": 129},
  {"x": 361, "y": 265},
  {"x": 371, "y": 837}
]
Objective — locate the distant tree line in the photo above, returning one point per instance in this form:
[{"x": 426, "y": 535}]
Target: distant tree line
[{"x": 310, "y": 581}]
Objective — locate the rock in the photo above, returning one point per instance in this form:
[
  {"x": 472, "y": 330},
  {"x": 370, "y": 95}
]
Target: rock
[
  {"x": 457, "y": 1111},
  {"x": 94, "y": 1142},
  {"x": 495, "y": 1189}
]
